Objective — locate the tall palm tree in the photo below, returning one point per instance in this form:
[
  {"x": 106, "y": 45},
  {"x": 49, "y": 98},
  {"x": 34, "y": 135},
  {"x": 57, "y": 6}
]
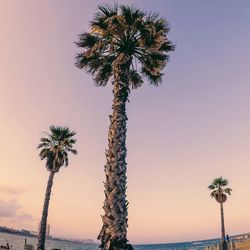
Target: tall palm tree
[
  {"x": 54, "y": 150},
  {"x": 220, "y": 192},
  {"x": 124, "y": 45}
]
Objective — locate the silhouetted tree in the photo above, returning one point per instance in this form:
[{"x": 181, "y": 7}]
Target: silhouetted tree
[
  {"x": 54, "y": 150},
  {"x": 124, "y": 45},
  {"x": 219, "y": 193}
]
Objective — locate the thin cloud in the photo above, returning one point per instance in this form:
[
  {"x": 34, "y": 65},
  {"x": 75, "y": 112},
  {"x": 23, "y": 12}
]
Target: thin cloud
[
  {"x": 24, "y": 217},
  {"x": 10, "y": 210},
  {"x": 11, "y": 190}
]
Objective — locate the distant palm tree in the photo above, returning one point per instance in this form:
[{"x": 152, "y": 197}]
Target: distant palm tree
[
  {"x": 220, "y": 194},
  {"x": 54, "y": 149},
  {"x": 124, "y": 45}
]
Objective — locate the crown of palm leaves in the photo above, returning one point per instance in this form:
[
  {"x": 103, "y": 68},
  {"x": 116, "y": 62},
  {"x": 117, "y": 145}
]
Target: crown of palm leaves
[
  {"x": 128, "y": 37},
  {"x": 219, "y": 189},
  {"x": 55, "y": 147}
]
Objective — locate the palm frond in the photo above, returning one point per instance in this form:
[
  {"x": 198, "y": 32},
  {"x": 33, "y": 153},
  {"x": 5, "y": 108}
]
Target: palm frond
[
  {"x": 55, "y": 147},
  {"x": 87, "y": 40},
  {"x": 219, "y": 192},
  {"x": 135, "y": 79},
  {"x": 161, "y": 26},
  {"x": 72, "y": 141},
  {"x": 167, "y": 46},
  {"x": 152, "y": 17},
  {"x": 73, "y": 151},
  {"x": 211, "y": 187},
  {"x": 153, "y": 78},
  {"x": 214, "y": 193},
  {"x": 220, "y": 182},
  {"x": 228, "y": 191},
  {"x": 103, "y": 74},
  {"x": 126, "y": 33},
  {"x": 81, "y": 61},
  {"x": 131, "y": 14},
  {"x": 106, "y": 11}
]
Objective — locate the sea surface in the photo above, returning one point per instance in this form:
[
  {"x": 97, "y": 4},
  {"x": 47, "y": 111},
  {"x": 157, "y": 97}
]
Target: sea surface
[{"x": 17, "y": 243}]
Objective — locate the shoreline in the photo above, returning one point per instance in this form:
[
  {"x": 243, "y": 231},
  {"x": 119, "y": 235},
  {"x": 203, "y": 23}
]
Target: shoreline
[{"x": 242, "y": 241}]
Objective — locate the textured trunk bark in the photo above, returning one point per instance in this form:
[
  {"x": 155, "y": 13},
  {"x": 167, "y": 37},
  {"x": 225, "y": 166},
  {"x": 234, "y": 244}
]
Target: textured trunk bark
[
  {"x": 222, "y": 222},
  {"x": 113, "y": 234},
  {"x": 43, "y": 223},
  {"x": 224, "y": 245}
]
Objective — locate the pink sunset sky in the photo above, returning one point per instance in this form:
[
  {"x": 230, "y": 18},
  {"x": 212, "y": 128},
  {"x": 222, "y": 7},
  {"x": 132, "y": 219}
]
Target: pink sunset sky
[{"x": 181, "y": 135}]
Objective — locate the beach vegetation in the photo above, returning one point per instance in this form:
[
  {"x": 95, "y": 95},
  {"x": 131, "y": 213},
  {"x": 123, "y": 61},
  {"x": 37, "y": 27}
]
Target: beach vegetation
[
  {"x": 124, "y": 46},
  {"x": 220, "y": 191},
  {"x": 54, "y": 147}
]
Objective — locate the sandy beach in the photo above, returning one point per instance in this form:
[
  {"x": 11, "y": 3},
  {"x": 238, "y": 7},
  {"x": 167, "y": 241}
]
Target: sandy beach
[{"x": 243, "y": 245}]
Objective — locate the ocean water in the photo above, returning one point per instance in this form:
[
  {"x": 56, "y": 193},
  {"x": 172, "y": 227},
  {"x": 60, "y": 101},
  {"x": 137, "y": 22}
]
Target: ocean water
[{"x": 17, "y": 243}]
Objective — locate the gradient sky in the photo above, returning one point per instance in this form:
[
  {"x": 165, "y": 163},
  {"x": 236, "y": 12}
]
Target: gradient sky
[{"x": 194, "y": 127}]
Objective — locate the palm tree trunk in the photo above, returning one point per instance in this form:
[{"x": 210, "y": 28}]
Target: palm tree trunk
[
  {"x": 43, "y": 223},
  {"x": 222, "y": 226},
  {"x": 113, "y": 234}
]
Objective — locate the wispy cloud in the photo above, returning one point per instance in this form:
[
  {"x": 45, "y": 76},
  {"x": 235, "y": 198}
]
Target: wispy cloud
[
  {"x": 11, "y": 190},
  {"x": 24, "y": 217},
  {"x": 10, "y": 209}
]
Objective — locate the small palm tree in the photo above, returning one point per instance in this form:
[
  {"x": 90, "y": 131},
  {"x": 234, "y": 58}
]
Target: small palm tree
[
  {"x": 220, "y": 192},
  {"x": 124, "y": 45},
  {"x": 54, "y": 150}
]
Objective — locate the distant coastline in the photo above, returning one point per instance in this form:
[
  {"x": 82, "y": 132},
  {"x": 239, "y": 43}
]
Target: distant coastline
[
  {"x": 27, "y": 233},
  {"x": 21, "y": 232}
]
